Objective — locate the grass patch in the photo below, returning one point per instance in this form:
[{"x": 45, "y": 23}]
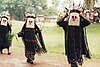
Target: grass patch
[{"x": 93, "y": 32}]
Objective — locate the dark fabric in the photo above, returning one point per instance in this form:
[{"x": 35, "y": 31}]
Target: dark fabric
[
  {"x": 75, "y": 40},
  {"x": 74, "y": 64},
  {"x": 4, "y": 17},
  {"x": 4, "y": 41},
  {"x": 40, "y": 38},
  {"x": 30, "y": 40},
  {"x": 30, "y": 17},
  {"x": 74, "y": 11}
]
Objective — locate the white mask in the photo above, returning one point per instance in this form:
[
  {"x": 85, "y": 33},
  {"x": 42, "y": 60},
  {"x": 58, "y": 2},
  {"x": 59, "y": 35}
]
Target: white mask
[
  {"x": 30, "y": 23},
  {"x": 4, "y": 21},
  {"x": 74, "y": 19}
]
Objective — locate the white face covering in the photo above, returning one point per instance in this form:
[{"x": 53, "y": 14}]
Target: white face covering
[
  {"x": 30, "y": 23},
  {"x": 74, "y": 19},
  {"x": 4, "y": 21}
]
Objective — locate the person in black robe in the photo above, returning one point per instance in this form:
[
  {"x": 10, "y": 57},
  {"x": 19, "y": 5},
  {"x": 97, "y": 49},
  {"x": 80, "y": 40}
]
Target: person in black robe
[
  {"x": 32, "y": 39},
  {"x": 75, "y": 37},
  {"x": 5, "y": 31}
]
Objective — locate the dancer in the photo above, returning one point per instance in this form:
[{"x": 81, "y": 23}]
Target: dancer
[
  {"x": 75, "y": 38},
  {"x": 32, "y": 38},
  {"x": 5, "y": 33}
]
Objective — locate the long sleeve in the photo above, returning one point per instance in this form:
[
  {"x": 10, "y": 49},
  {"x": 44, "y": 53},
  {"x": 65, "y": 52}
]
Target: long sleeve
[
  {"x": 39, "y": 36},
  {"x": 84, "y": 22},
  {"x": 60, "y": 22}
]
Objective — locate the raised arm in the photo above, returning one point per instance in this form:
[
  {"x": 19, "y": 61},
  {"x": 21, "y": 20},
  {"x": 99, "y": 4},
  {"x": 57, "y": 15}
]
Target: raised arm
[
  {"x": 84, "y": 22},
  {"x": 61, "y": 21}
]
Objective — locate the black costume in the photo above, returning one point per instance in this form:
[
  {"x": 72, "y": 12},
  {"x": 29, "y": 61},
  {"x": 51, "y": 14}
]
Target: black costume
[
  {"x": 75, "y": 39},
  {"x": 5, "y": 31},
  {"x": 31, "y": 38}
]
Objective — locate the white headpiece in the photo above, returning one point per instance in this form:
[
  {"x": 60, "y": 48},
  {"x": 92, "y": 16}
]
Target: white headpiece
[
  {"x": 5, "y": 16},
  {"x": 30, "y": 21}
]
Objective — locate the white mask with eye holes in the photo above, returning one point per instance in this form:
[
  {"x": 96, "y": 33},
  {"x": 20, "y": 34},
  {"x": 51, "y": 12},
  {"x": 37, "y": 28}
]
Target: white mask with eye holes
[
  {"x": 74, "y": 19},
  {"x": 30, "y": 23},
  {"x": 4, "y": 21}
]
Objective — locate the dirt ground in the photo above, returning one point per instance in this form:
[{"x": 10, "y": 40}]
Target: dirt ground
[{"x": 17, "y": 59}]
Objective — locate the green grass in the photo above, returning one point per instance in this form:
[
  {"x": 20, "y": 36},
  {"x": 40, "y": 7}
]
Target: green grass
[
  {"x": 93, "y": 32},
  {"x": 54, "y": 37}
]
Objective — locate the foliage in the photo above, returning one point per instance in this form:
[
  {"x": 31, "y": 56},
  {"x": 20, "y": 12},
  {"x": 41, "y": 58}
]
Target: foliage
[
  {"x": 17, "y": 8},
  {"x": 9, "y": 37},
  {"x": 89, "y": 2}
]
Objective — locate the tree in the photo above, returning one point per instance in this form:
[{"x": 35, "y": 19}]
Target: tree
[
  {"x": 17, "y": 8},
  {"x": 89, "y": 4}
]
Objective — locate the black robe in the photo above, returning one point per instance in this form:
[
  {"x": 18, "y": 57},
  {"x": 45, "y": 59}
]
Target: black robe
[
  {"x": 75, "y": 40},
  {"x": 31, "y": 38},
  {"x": 5, "y": 31}
]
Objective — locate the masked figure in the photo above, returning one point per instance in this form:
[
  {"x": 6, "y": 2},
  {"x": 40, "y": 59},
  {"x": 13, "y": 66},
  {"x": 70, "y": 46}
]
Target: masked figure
[
  {"x": 5, "y": 31},
  {"x": 75, "y": 37},
  {"x": 32, "y": 39}
]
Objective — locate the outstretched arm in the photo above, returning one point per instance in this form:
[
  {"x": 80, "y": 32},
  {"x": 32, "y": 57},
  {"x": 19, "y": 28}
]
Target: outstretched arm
[{"x": 21, "y": 33}]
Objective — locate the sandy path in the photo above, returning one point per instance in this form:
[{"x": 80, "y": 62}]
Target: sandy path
[{"x": 17, "y": 59}]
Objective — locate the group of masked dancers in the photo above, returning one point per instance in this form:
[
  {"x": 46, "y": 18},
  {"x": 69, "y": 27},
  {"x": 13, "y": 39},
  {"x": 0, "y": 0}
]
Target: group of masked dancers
[{"x": 74, "y": 26}]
